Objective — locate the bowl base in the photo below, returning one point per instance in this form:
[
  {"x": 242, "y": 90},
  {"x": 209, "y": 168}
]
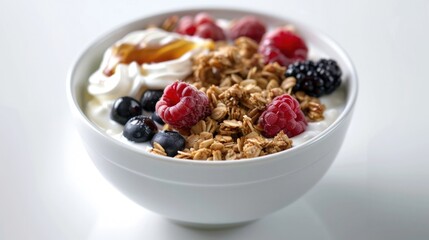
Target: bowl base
[{"x": 209, "y": 226}]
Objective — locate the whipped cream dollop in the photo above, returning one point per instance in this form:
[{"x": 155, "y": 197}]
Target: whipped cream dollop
[
  {"x": 130, "y": 79},
  {"x": 133, "y": 78}
]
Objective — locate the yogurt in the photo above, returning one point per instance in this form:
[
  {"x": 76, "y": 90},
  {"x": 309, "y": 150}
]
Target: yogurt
[
  {"x": 100, "y": 115},
  {"x": 130, "y": 79},
  {"x": 133, "y": 78}
]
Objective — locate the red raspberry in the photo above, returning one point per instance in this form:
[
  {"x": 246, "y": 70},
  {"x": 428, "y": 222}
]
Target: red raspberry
[
  {"x": 202, "y": 18},
  {"x": 186, "y": 26},
  {"x": 248, "y": 26},
  {"x": 291, "y": 46},
  {"x": 273, "y": 54},
  {"x": 283, "y": 114},
  {"x": 210, "y": 30},
  {"x": 182, "y": 105},
  {"x": 203, "y": 25}
]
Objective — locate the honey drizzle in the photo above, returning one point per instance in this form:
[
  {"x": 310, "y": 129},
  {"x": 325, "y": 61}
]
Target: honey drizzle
[{"x": 126, "y": 53}]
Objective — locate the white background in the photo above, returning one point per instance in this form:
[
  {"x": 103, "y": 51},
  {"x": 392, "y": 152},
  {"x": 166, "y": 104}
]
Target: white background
[{"x": 378, "y": 187}]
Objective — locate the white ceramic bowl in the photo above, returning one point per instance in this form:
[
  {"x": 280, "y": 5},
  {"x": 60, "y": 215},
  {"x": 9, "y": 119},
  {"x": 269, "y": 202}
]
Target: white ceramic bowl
[{"x": 210, "y": 193}]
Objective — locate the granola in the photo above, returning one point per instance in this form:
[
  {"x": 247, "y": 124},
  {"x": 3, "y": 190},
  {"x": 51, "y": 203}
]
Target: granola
[{"x": 239, "y": 87}]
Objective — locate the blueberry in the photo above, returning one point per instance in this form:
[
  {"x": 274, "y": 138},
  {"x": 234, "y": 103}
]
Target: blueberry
[
  {"x": 150, "y": 98},
  {"x": 171, "y": 141},
  {"x": 125, "y": 108},
  {"x": 157, "y": 119},
  {"x": 140, "y": 129}
]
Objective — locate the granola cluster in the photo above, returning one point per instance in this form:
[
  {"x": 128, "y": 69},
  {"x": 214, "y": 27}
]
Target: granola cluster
[{"x": 239, "y": 86}]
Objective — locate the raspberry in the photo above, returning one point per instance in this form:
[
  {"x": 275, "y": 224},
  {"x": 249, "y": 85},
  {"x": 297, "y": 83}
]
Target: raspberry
[
  {"x": 248, "y": 26},
  {"x": 186, "y": 26},
  {"x": 283, "y": 114},
  {"x": 290, "y": 45},
  {"x": 182, "y": 105},
  {"x": 210, "y": 30},
  {"x": 273, "y": 54},
  {"x": 203, "y": 25},
  {"x": 202, "y": 18},
  {"x": 315, "y": 79}
]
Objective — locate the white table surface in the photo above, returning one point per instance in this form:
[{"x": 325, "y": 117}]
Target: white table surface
[{"x": 378, "y": 187}]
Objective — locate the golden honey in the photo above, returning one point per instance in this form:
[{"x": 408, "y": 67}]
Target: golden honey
[{"x": 126, "y": 53}]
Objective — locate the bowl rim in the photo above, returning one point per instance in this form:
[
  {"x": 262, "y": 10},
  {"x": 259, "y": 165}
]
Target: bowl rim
[{"x": 348, "y": 108}]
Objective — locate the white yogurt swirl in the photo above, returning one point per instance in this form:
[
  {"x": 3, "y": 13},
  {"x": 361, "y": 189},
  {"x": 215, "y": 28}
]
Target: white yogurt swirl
[{"x": 130, "y": 79}]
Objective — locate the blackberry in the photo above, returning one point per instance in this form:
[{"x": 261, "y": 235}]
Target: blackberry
[{"x": 315, "y": 78}]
